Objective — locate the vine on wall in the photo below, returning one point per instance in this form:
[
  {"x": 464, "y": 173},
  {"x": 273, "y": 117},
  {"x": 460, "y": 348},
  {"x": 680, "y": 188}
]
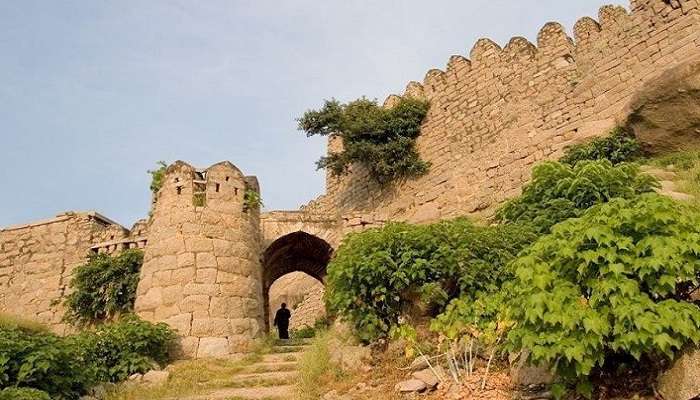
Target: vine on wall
[{"x": 103, "y": 288}]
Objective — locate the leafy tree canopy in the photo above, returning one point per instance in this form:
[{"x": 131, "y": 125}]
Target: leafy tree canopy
[{"x": 381, "y": 139}]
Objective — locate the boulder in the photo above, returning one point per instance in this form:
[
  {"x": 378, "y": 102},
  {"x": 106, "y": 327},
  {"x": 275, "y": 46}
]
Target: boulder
[
  {"x": 428, "y": 377},
  {"x": 349, "y": 358},
  {"x": 665, "y": 113},
  {"x": 333, "y": 395},
  {"x": 522, "y": 373},
  {"x": 419, "y": 363},
  {"x": 682, "y": 380},
  {"x": 135, "y": 377},
  {"x": 410, "y": 386},
  {"x": 155, "y": 377}
]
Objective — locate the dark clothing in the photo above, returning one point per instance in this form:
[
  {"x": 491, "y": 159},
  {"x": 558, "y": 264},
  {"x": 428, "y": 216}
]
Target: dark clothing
[{"x": 282, "y": 322}]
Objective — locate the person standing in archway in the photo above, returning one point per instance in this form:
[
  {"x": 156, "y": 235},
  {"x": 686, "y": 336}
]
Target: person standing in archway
[{"x": 282, "y": 321}]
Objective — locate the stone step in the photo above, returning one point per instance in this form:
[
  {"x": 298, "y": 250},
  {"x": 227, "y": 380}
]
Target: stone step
[
  {"x": 285, "y": 392},
  {"x": 293, "y": 342},
  {"x": 289, "y": 349},
  {"x": 281, "y": 357},
  {"x": 277, "y": 376},
  {"x": 257, "y": 379},
  {"x": 270, "y": 367}
]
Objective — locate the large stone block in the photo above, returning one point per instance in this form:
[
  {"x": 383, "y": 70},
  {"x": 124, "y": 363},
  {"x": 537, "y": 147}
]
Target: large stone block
[
  {"x": 227, "y": 307},
  {"x": 212, "y": 347},
  {"x": 205, "y": 260},
  {"x": 682, "y": 380},
  {"x": 149, "y": 301},
  {"x": 210, "y": 289},
  {"x": 183, "y": 276},
  {"x": 194, "y": 303},
  {"x": 172, "y": 294},
  {"x": 206, "y": 275},
  {"x": 198, "y": 245},
  {"x": 218, "y": 327},
  {"x": 181, "y": 323}
]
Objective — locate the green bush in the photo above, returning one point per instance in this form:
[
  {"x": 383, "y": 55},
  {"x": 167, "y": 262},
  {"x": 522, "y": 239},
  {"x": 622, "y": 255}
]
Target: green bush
[
  {"x": 42, "y": 361},
  {"x": 619, "y": 146},
  {"x": 22, "y": 393},
  {"x": 66, "y": 367},
  {"x": 305, "y": 332},
  {"x": 559, "y": 191},
  {"x": 126, "y": 347},
  {"x": 381, "y": 139},
  {"x": 158, "y": 176},
  {"x": 482, "y": 316},
  {"x": 104, "y": 287},
  {"x": 614, "y": 282},
  {"x": 378, "y": 274}
]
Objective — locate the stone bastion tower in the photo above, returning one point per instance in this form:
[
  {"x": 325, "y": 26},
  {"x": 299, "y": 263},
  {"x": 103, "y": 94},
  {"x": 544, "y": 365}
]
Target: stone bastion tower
[{"x": 201, "y": 273}]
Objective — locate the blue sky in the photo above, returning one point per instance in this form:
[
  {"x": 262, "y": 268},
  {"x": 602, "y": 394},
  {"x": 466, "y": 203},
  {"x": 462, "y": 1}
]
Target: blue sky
[{"x": 94, "y": 92}]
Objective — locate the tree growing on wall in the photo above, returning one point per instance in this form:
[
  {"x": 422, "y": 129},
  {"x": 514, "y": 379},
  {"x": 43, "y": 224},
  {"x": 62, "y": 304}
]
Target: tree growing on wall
[
  {"x": 104, "y": 287},
  {"x": 381, "y": 139}
]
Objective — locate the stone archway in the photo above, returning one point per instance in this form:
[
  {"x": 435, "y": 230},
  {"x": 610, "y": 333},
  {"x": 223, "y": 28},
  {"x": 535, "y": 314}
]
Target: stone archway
[{"x": 297, "y": 251}]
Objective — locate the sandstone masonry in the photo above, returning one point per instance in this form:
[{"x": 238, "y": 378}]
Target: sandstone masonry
[{"x": 211, "y": 259}]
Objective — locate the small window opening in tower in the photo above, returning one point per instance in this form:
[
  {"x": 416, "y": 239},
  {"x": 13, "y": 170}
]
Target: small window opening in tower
[
  {"x": 227, "y": 178},
  {"x": 235, "y": 191},
  {"x": 217, "y": 187},
  {"x": 177, "y": 180},
  {"x": 179, "y": 190}
]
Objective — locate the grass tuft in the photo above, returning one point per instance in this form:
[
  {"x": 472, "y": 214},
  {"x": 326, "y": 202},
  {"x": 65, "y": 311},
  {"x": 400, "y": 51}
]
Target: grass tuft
[
  {"x": 8, "y": 321},
  {"x": 686, "y": 164}
]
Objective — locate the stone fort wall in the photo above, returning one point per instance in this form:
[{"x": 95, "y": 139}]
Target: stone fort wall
[
  {"x": 494, "y": 115},
  {"x": 491, "y": 118},
  {"x": 37, "y": 259}
]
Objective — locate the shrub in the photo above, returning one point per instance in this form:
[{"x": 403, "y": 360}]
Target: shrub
[
  {"x": 8, "y": 321},
  {"x": 157, "y": 176},
  {"x": 559, "y": 191},
  {"x": 381, "y": 139},
  {"x": 251, "y": 200},
  {"x": 614, "y": 282},
  {"x": 23, "y": 393},
  {"x": 378, "y": 274},
  {"x": 305, "y": 332},
  {"x": 104, "y": 287},
  {"x": 42, "y": 361},
  {"x": 619, "y": 146},
  {"x": 126, "y": 347},
  {"x": 482, "y": 317}
]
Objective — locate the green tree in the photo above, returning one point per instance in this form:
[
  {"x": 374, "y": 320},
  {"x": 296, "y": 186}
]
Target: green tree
[{"x": 381, "y": 139}]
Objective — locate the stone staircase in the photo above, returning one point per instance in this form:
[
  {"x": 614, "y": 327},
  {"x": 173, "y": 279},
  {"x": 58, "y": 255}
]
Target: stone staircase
[
  {"x": 668, "y": 181},
  {"x": 273, "y": 377}
]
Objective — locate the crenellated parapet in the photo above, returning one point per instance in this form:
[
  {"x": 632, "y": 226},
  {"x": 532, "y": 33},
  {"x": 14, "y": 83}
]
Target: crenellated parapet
[{"x": 502, "y": 109}]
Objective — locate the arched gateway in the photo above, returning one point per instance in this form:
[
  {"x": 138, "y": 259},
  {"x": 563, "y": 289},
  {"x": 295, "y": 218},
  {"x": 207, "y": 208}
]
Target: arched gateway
[
  {"x": 298, "y": 251},
  {"x": 212, "y": 257}
]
